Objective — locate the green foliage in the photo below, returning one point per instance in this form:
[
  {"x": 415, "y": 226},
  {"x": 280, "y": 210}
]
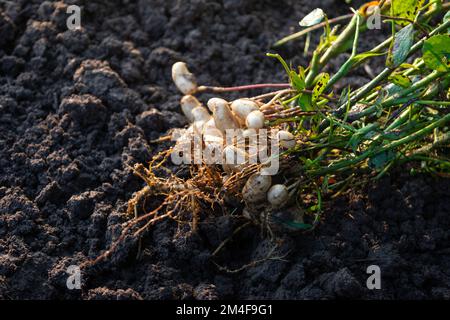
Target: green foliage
[
  {"x": 400, "y": 80},
  {"x": 362, "y": 134},
  {"x": 380, "y": 160},
  {"x": 436, "y": 52},
  {"x": 305, "y": 102},
  {"x": 384, "y": 122},
  {"x": 407, "y": 9},
  {"x": 297, "y": 80},
  {"x": 365, "y": 56},
  {"x": 399, "y": 49},
  {"x": 321, "y": 83}
]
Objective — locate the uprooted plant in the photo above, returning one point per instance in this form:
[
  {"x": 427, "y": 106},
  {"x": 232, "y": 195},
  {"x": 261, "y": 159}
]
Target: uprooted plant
[{"x": 322, "y": 141}]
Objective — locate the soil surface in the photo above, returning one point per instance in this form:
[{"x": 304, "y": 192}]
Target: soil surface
[{"x": 78, "y": 108}]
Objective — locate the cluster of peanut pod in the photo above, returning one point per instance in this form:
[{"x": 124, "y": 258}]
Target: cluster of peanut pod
[{"x": 214, "y": 121}]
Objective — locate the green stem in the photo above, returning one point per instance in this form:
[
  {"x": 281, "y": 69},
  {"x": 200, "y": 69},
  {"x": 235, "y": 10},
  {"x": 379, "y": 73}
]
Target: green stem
[
  {"x": 423, "y": 158},
  {"x": 349, "y": 63},
  {"x": 414, "y": 136},
  {"x": 339, "y": 44},
  {"x": 385, "y": 44},
  {"x": 399, "y": 97},
  {"x": 433, "y": 103},
  {"x": 436, "y": 88},
  {"x": 387, "y": 71},
  {"x": 408, "y": 72},
  {"x": 401, "y": 118},
  {"x": 313, "y": 70},
  {"x": 440, "y": 140}
]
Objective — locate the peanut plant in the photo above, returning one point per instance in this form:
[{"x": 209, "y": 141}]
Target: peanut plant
[{"x": 328, "y": 140}]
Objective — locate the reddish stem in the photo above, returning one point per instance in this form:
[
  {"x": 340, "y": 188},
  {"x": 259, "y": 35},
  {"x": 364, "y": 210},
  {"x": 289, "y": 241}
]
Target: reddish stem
[{"x": 245, "y": 87}]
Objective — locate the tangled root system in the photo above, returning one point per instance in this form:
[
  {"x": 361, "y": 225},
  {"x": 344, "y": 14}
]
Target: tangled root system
[{"x": 182, "y": 199}]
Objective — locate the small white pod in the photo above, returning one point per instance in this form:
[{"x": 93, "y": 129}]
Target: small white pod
[
  {"x": 200, "y": 114},
  {"x": 213, "y": 102},
  {"x": 223, "y": 116},
  {"x": 278, "y": 195},
  {"x": 286, "y": 139},
  {"x": 210, "y": 125},
  {"x": 242, "y": 108},
  {"x": 189, "y": 103},
  {"x": 255, "y": 120},
  {"x": 198, "y": 127},
  {"x": 201, "y": 117},
  {"x": 183, "y": 79},
  {"x": 256, "y": 187},
  {"x": 213, "y": 143},
  {"x": 210, "y": 130},
  {"x": 234, "y": 158}
]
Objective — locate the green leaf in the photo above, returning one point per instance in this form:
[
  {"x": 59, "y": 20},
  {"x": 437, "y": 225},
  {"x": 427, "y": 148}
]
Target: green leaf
[
  {"x": 379, "y": 160},
  {"x": 365, "y": 55},
  {"x": 305, "y": 102},
  {"x": 400, "y": 80},
  {"x": 296, "y": 81},
  {"x": 392, "y": 89},
  {"x": 394, "y": 135},
  {"x": 399, "y": 49},
  {"x": 345, "y": 95},
  {"x": 436, "y": 52},
  {"x": 301, "y": 72},
  {"x": 405, "y": 9},
  {"x": 313, "y": 18},
  {"x": 408, "y": 66},
  {"x": 362, "y": 134},
  {"x": 320, "y": 85}
]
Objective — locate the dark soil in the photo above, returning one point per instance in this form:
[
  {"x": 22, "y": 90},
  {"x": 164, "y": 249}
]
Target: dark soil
[{"x": 78, "y": 108}]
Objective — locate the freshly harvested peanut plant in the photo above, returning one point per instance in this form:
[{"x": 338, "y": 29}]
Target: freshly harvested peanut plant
[{"x": 324, "y": 140}]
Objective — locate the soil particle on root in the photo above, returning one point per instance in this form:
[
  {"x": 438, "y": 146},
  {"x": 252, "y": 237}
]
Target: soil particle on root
[{"x": 78, "y": 108}]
